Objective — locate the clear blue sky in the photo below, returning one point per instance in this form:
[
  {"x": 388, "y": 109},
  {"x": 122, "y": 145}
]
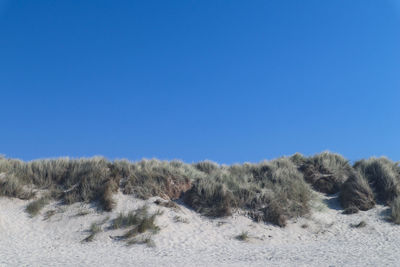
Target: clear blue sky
[{"x": 229, "y": 81}]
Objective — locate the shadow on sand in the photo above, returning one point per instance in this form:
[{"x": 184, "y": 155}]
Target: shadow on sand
[{"x": 332, "y": 202}]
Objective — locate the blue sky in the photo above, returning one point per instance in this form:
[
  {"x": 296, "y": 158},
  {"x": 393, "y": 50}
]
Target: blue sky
[{"x": 230, "y": 81}]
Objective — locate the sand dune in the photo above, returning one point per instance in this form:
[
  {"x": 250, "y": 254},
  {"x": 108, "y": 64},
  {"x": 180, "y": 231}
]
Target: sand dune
[{"x": 325, "y": 238}]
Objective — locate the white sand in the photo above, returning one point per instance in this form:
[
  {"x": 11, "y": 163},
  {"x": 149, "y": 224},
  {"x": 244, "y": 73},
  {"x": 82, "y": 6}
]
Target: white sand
[{"x": 327, "y": 241}]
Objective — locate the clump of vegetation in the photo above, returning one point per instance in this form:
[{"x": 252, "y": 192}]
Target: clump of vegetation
[
  {"x": 206, "y": 166},
  {"x": 271, "y": 191},
  {"x": 106, "y": 196},
  {"x": 95, "y": 228},
  {"x": 244, "y": 236},
  {"x": 212, "y": 189},
  {"x": 356, "y": 194},
  {"x": 49, "y": 214},
  {"x": 36, "y": 206},
  {"x": 168, "y": 180},
  {"x": 10, "y": 186},
  {"x": 350, "y": 210},
  {"x": 96, "y": 179},
  {"x": 140, "y": 220},
  {"x": 376, "y": 179},
  {"x": 179, "y": 219},
  {"x": 383, "y": 175},
  {"x": 359, "y": 225},
  {"x": 143, "y": 239},
  {"x": 70, "y": 180},
  {"x": 131, "y": 218},
  {"x": 395, "y": 210},
  {"x": 326, "y": 171},
  {"x": 167, "y": 204},
  {"x": 82, "y": 213}
]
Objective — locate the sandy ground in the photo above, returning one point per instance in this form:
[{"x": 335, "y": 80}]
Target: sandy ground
[{"x": 323, "y": 239}]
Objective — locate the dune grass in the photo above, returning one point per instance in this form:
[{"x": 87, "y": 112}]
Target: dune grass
[
  {"x": 361, "y": 224},
  {"x": 270, "y": 191},
  {"x": 356, "y": 194},
  {"x": 131, "y": 218},
  {"x": 143, "y": 239},
  {"x": 326, "y": 171},
  {"x": 49, "y": 214},
  {"x": 141, "y": 223},
  {"x": 395, "y": 210},
  {"x": 383, "y": 176},
  {"x": 244, "y": 236},
  {"x": 140, "y": 218},
  {"x": 180, "y": 219},
  {"x": 36, "y": 206},
  {"x": 10, "y": 186},
  {"x": 94, "y": 229}
]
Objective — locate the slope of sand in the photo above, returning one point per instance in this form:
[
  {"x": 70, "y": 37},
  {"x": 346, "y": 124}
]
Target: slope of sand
[{"x": 324, "y": 239}]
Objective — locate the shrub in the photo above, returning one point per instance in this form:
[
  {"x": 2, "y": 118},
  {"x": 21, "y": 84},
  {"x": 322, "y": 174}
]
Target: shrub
[
  {"x": 326, "y": 172},
  {"x": 356, "y": 193}
]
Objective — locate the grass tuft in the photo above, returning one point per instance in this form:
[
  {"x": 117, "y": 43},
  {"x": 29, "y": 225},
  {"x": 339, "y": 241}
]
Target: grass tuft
[
  {"x": 95, "y": 228},
  {"x": 359, "y": 225},
  {"x": 36, "y": 206},
  {"x": 143, "y": 239},
  {"x": 244, "y": 236},
  {"x": 140, "y": 221},
  {"x": 179, "y": 219},
  {"x": 49, "y": 214}
]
